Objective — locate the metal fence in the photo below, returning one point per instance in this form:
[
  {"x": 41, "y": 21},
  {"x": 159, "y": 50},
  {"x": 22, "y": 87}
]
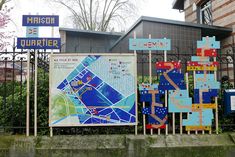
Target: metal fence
[
  {"x": 13, "y": 71},
  {"x": 13, "y": 91}
]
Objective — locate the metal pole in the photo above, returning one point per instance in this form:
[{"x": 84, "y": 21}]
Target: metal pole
[
  {"x": 173, "y": 123},
  {"x": 150, "y": 63},
  {"x": 165, "y": 60},
  {"x": 150, "y": 73},
  {"x": 136, "y": 126},
  {"x": 136, "y": 99},
  {"x": 52, "y": 35},
  {"x": 5, "y": 87},
  {"x": 21, "y": 88},
  {"x": 35, "y": 91},
  {"x": 28, "y": 93},
  {"x": 13, "y": 88},
  {"x": 51, "y": 130}
]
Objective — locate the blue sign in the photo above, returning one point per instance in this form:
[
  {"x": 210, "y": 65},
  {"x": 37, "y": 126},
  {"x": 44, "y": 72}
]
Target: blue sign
[
  {"x": 40, "y": 20},
  {"x": 149, "y": 44},
  {"x": 32, "y": 32},
  {"x": 38, "y": 43},
  {"x": 229, "y": 101}
]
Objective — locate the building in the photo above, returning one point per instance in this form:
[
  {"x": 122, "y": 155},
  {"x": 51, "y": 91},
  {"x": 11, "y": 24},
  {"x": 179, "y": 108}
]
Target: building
[
  {"x": 74, "y": 40},
  {"x": 183, "y": 35},
  {"x": 8, "y": 72},
  {"x": 215, "y": 13}
]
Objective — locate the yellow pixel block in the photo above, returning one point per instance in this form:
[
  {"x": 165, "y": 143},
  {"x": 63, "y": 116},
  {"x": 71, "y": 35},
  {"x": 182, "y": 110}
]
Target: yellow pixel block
[
  {"x": 198, "y": 128},
  {"x": 201, "y": 68},
  {"x": 204, "y": 106}
]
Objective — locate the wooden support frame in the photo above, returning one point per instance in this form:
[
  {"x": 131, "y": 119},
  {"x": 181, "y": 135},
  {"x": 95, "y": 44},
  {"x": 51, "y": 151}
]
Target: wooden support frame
[{"x": 216, "y": 109}]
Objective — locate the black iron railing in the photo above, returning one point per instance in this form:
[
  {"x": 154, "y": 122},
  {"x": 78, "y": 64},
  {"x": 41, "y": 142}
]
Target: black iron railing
[{"x": 13, "y": 90}]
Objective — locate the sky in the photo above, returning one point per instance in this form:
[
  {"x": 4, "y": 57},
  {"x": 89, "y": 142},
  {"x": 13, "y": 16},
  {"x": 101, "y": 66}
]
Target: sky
[{"x": 152, "y": 8}]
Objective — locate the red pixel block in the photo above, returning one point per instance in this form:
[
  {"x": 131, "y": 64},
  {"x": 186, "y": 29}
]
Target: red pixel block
[
  {"x": 208, "y": 52},
  {"x": 167, "y": 65},
  {"x": 149, "y": 126},
  {"x": 191, "y": 63}
]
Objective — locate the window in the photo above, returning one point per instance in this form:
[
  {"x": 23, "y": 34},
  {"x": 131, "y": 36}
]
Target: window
[{"x": 206, "y": 13}]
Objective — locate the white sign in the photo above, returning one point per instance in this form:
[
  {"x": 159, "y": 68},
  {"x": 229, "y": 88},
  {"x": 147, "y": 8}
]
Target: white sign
[
  {"x": 232, "y": 99},
  {"x": 92, "y": 89}
]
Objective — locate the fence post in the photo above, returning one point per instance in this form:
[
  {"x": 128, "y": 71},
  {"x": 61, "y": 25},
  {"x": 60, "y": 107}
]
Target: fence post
[
  {"x": 28, "y": 93},
  {"x": 13, "y": 89},
  {"x": 35, "y": 91}
]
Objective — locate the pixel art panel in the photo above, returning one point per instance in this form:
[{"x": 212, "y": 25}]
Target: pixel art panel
[
  {"x": 171, "y": 80},
  {"x": 156, "y": 113},
  {"x": 206, "y": 86}
]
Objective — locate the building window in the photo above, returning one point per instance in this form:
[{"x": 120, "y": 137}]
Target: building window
[{"x": 206, "y": 13}]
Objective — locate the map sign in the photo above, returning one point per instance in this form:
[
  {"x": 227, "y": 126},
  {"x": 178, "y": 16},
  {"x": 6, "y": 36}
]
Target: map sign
[{"x": 90, "y": 90}]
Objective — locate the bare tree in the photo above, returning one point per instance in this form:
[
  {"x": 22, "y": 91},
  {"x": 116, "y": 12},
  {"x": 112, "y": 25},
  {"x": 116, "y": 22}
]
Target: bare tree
[
  {"x": 2, "y": 2},
  {"x": 99, "y": 15},
  {"x": 5, "y": 35}
]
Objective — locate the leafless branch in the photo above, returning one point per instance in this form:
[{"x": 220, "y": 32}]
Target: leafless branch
[{"x": 98, "y": 14}]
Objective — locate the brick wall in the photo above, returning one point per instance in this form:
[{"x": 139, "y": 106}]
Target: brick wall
[
  {"x": 190, "y": 11},
  {"x": 223, "y": 13}
]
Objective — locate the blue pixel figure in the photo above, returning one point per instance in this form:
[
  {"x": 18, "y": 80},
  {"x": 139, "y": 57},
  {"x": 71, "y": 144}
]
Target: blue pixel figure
[
  {"x": 194, "y": 118},
  {"x": 209, "y": 43},
  {"x": 161, "y": 113},
  {"x": 146, "y": 92},
  {"x": 206, "y": 82},
  {"x": 146, "y": 96},
  {"x": 177, "y": 78},
  {"x": 206, "y": 96},
  {"x": 179, "y": 101}
]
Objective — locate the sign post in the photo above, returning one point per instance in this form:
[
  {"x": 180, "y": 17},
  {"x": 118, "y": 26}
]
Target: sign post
[
  {"x": 150, "y": 73},
  {"x": 149, "y": 45},
  {"x": 166, "y": 100},
  {"x": 32, "y": 41},
  {"x": 35, "y": 92},
  {"x": 52, "y": 34}
]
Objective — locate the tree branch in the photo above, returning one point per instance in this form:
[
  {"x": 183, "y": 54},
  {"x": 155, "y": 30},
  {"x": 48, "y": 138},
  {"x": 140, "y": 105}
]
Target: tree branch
[{"x": 98, "y": 14}]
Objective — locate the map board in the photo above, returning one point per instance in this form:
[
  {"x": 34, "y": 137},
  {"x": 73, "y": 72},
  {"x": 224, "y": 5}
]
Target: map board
[{"x": 92, "y": 90}]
